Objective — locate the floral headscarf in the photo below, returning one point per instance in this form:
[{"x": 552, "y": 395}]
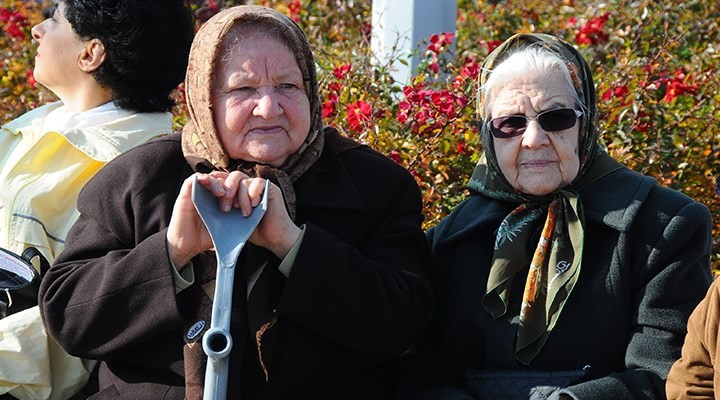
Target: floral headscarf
[
  {"x": 200, "y": 142},
  {"x": 557, "y": 259}
]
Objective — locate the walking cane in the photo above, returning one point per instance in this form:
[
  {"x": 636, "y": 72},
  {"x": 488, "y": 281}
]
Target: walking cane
[{"x": 229, "y": 232}]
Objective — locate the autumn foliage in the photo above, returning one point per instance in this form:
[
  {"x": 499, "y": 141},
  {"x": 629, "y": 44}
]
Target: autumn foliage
[{"x": 656, "y": 65}]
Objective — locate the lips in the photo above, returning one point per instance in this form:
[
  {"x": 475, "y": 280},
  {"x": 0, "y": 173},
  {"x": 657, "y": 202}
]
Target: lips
[
  {"x": 536, "y": 163},
  {"x": 266, "y": 130}
]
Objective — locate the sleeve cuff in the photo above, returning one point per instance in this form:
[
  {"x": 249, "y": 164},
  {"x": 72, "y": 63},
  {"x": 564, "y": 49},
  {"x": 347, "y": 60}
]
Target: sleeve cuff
[
  {"x": 184, "y": 278},
  {"x": 289, "y": 260}
]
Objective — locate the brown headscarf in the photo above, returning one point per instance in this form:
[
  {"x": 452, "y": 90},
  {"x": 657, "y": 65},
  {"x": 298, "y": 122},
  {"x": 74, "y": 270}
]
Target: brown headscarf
[
  {"x": 203, "y": 151},
  {"x": 200, "y": 143}
]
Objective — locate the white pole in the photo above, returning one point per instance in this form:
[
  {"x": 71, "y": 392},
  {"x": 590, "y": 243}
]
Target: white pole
[{"x": 405, "y": 24}]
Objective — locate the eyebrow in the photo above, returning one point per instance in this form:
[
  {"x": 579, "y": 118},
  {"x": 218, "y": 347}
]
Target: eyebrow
[{"x": 285, "y": 75}]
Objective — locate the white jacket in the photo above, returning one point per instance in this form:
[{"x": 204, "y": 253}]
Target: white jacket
[{"x": 42, "y": 171}]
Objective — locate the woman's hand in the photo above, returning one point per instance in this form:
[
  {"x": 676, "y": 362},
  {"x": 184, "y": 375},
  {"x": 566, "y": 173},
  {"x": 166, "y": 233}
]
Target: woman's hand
[
  {"x": 276, "y": 231},
  {"x": 187, "y": 235}
]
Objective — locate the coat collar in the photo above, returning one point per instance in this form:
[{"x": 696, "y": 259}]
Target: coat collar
[
  {"x": 103, "y": 142},
  {"x": 329, "y": 185}
]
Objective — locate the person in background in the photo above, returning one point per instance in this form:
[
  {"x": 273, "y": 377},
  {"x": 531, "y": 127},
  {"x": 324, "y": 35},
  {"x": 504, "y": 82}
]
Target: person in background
[
  {"x": 563, "y": 274},
  {"x": 328, "y": 291},
  {"x": 113, "y": 64}
]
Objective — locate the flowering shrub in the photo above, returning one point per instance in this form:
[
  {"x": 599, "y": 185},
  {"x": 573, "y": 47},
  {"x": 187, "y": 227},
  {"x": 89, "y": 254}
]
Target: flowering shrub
[
  {"x": 654, "y": 63},
  {"x": 18, "y": 90}
]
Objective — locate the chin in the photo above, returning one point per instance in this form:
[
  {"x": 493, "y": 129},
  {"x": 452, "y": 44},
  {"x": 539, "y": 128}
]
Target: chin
[
  {"x": 267, "y": 160},
  {"x": 538, "y": 190}
]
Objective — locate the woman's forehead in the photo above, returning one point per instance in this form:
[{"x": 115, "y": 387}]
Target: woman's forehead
[{"x": 541, "y": 89}]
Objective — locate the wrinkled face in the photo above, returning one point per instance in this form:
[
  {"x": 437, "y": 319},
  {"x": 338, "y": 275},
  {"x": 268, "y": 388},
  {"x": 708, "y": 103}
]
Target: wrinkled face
[
  {"x": 59, "y": 49},
  {"x": 537, "y": 162},
  {"x": 261, "y": 110}
]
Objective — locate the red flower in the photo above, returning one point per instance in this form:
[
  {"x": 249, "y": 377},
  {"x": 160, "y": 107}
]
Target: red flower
[
  {"x": 591, "y": 32},
  {"x": 471, "y": 69},
  {"x": 676, "y": 88},
  {"x": 438, "y": 42},
  {"x": 15, "y": 31},
  {"x": 358, "y": 115},
  {"x": 401, "y": 116},
  {"x": 492, "y": 45},
  {"x": 442, "y": 99},
  {"x": 403, "y": 110},
  {"x": 14, "y": 22},
  {"x": 213, "y": 4},
  {"x": 414, "y": 94},
  {"x": 404, "y": 105},
  {"x": 328, "y": 107},
  {"x": 395, "y": 156},
  {"x": 341, "y": 71},
  {"x": 335, "y": 87},
  {"x": 294, "y": 8},
  {"x": 421, "y": 117},
  {"x": 5, "y": 15},
  {"x": 30, "y": 77},
  {"x": 616, "y": 91},
  {"x": 644, "y": 123},
  {"x": 462, "y": 148}
]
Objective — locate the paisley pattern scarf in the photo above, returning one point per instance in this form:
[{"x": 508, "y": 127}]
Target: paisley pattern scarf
[{"x": 555, "y": 265}]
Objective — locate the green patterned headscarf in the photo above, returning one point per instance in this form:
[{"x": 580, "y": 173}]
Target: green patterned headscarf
[{"x": 554, "y": 266}]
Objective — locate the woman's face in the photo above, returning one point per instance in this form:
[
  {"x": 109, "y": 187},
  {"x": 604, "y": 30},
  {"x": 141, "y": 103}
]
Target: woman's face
[
  {"x": 261, "y": 110},
  {"x": 536, "y": 162},
  {"x": 58, "y": 53}
]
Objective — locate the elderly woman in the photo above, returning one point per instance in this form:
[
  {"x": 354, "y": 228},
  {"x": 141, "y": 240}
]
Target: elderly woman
[
  {"x": 564, "y": 274},
  {"x": 109, "y": 63},
  {"x": 328, "y": 291}
]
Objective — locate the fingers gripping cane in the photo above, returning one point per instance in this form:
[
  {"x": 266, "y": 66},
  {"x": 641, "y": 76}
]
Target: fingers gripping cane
[{"x": 229, "y": 232}]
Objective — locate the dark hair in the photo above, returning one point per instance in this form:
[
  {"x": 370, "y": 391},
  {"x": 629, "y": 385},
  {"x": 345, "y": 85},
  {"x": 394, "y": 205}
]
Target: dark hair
[{"x": 147, "y": 44}]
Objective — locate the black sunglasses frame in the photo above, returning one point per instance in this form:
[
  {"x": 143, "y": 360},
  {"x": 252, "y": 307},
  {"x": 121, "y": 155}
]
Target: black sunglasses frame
[{"x": 546, "y": 119}]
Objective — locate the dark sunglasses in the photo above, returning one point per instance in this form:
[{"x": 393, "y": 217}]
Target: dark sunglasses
[{"x": 509, "y": 126}]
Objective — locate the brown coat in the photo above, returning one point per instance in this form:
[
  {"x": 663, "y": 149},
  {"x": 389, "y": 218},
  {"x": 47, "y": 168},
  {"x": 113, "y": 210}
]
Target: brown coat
[
  {"x": 696, "y": 375},
  {"x": 354, "y": 300}
]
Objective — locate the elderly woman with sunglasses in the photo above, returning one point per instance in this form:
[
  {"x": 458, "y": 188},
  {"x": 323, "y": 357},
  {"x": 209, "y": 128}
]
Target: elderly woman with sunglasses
[{"x": 564, "y": 274}]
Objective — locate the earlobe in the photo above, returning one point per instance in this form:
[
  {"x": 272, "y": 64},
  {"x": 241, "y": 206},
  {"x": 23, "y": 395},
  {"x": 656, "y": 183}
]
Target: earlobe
[{"x": 93, "y": 56}]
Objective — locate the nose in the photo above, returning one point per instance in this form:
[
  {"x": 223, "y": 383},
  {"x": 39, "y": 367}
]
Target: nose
[
  {"x": 267, "y": 105},
  {"x": 534, "y": 136},
  {"x": 38, "y": 31}
]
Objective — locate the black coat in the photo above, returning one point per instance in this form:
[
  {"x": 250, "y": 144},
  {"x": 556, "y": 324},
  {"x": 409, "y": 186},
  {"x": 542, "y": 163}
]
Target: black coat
[
  {"x": 645, "y": 267},
  {"x": 354, "y": 300}
]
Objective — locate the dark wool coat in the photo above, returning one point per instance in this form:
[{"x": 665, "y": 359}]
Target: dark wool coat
[
  {"x": 354, "y": 300},
  {"x": 645, "y": 267}
]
